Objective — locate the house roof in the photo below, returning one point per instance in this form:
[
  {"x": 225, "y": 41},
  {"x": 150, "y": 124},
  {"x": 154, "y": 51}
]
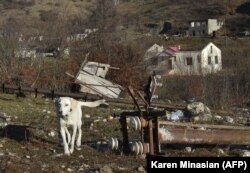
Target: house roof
[{"x": 189, "y": 47}]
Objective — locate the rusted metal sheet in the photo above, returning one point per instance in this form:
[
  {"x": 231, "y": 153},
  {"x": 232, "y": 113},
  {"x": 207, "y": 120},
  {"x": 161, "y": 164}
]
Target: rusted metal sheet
[
  {"x": 180, "y": 135},
  {"x": 205, "y": 126}
]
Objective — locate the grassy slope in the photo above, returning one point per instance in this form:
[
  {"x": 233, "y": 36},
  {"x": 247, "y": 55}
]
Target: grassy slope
[
  {"x": 31, "y": 111},
  {"x": 64, "y": 8}
]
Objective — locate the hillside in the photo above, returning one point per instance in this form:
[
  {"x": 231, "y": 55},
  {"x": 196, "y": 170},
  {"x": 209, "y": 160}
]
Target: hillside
[
  {"x": 34, "y": 13},
  {"x": 136, "y": 13},
  {"x": 179, "y": 12}
]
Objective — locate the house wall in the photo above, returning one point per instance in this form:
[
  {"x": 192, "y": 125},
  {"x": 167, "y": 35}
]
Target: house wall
[
  {"x": 201, "y": 28},
  {"x": 205, "y": 53},
  {"x": 158, "y": 63},
  {"x": 181, "y": 66},
  {"x": 198, "y": 28},
  {"x": 153, "y": 51},
  {"x": 213, "y": 25}
]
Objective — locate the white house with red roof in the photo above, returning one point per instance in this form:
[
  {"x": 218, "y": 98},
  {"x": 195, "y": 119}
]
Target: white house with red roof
[{"x": 174, "y": 60}]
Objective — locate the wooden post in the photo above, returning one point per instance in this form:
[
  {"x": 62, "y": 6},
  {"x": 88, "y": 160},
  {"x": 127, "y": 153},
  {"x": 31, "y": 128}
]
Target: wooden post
[
  {"x": 3, "y": 87},
  {"x": 156, "y": 135},
  {"x": 124, "y": 130},
  {"x": 52, "y": 94},
  {"x": 151, "y": 139},
  {"x": 35, "y": 92}
]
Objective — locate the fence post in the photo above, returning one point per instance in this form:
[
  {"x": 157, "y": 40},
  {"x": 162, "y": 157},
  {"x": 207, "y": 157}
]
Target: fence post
[
  {"x": 19, "y": 89},
  {"x": 52, "y": 94},
  {"x": 35, "y": 92},
  {"x": 3, "y": 87}
]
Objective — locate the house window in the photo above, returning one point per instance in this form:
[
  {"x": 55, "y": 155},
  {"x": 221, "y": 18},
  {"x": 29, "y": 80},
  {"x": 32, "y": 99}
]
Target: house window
[
  {"x": 170, "y": 64},
  {"x": 199, "y": 58},
  {"x": 189, "y": 61},
  {"x": 216, "y": 60},
  {"x": 209, "y": 60},
  {"x": 211, "y": 49},
  {"x": 154, "y": 61}
]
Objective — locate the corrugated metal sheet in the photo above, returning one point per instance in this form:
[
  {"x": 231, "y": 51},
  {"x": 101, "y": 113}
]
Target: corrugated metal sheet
[{"x": 91, "y": 78}]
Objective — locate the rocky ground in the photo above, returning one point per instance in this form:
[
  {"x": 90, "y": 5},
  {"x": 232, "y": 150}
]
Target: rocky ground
[{"x": 40, "y": 152}]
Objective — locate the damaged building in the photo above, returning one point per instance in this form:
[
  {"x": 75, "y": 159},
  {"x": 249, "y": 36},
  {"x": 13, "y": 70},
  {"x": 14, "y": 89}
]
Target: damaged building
[
  {"x": 91, "y": 78},
  {"x": 177, "y": 61},
  {"x": 204, "y": 27}
]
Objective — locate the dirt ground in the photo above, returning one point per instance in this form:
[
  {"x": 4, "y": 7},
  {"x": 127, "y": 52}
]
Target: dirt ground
[{"x": 40, "y": 152}]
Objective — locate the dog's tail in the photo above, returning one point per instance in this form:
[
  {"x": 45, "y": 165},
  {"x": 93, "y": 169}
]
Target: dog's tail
[{"x": 92, "y": 104}]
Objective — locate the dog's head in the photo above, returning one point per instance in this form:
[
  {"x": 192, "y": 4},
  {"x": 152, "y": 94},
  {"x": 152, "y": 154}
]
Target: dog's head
[{"x": 63, "y": 106}]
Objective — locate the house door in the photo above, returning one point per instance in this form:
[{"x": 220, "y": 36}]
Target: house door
[{"x": 193, "y": 33}]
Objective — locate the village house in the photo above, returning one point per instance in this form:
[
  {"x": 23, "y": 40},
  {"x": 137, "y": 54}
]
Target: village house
[
  {"x": 175, "y": 61},
  {"x": 204, "y": 27},
  {"x": 153, "y": 50}
]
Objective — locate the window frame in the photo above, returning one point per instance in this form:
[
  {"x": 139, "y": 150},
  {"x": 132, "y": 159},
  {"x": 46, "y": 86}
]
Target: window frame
[{"x": 189, "y": 61}]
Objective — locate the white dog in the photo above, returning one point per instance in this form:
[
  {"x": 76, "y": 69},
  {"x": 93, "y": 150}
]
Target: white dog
[{"x": 69, "y": 113}]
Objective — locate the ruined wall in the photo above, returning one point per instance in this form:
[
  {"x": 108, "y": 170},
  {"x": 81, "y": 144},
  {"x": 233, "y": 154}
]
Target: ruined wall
[
  {"x": 181, "y": 65},
  {"x": 211, "y": 51}
]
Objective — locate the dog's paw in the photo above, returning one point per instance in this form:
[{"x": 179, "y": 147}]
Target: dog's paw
[
  {"x": 78, "y": 143},
  {"x": 71, "y": 150},
  {"x": 67, "y": 152},
  {"x": 78, "y": 148}
]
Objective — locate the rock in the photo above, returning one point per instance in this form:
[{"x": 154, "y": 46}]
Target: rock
[
  {"x": 220, "y": 151},
  {"x": 206, "y": 117},
  {"x": 207, "y": 110},
  {"x": 95, "y": 121},
  {"x": 196, "y": 119},
  {"x": 218, "y": 117},
  {"x": 141, "y": 169},
  {"x": 244, "y": 153},
  {"x": 52, "y": 133},
  {"x": 86, "y": 116},
  {"x": 91, "y": 126},
  {"x": 110, "y": 118},
  {"x": 105, "y": 169},
  {"x": 121, "y": 168},
  {"x": 188, "y": 149},
  {"x": 44, "y": 110},
  {"x": 1, "y": 154},
  {"x": 143, "y": 156},
  {"x": 196, "y": 108},
  {"x": 176, "y": 116},
  {"x": 202, "y": 128},
  {"x": 228, "y": 119},
  {"x": 70, "y": 170},
  {"x": 3, "y": 124},
  {"x": 85, "y": 166},
  {"x": 48, "y": 112},
  {"x": 104, "y": 120},
  {"x": 28, "y": 157},
  {"x": 62, "y": 166}
]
